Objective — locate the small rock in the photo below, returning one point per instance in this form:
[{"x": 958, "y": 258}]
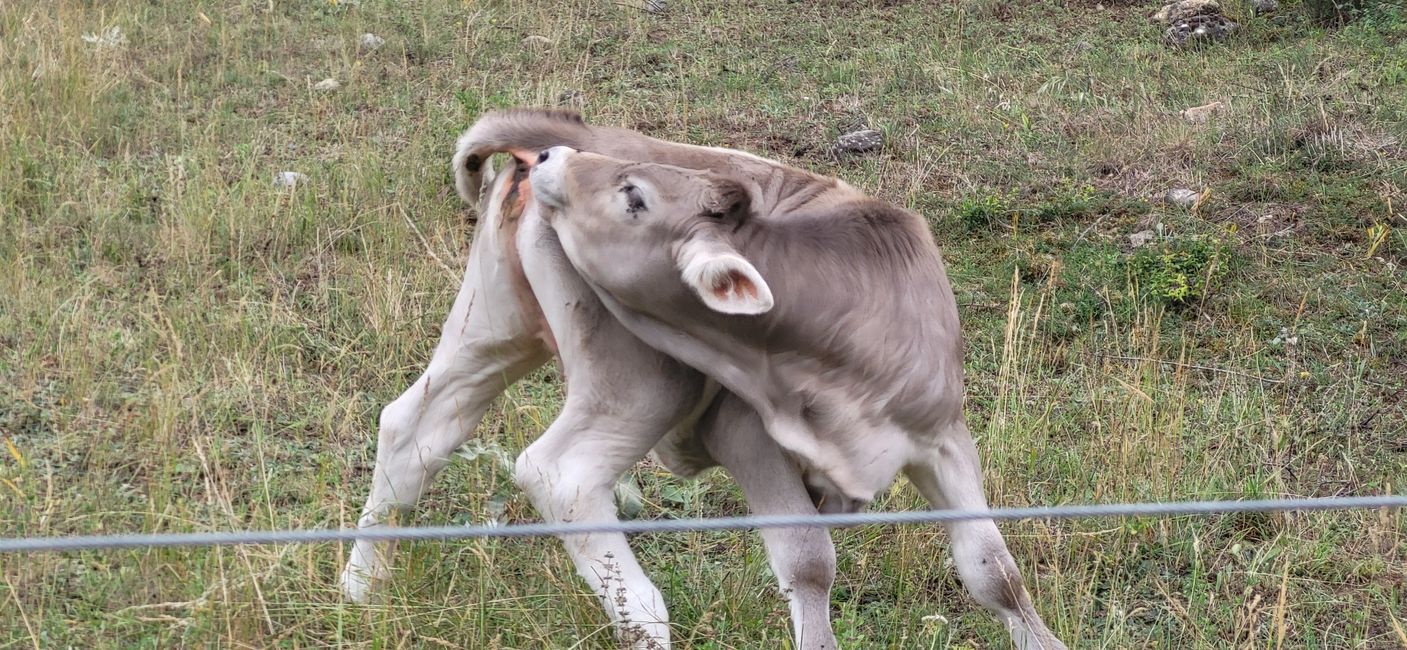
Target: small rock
[
  {"x": 570, "y": 96},
  {"x": 1285, "y": 337},
  {"x": 1185, "y": 9},
  {"x": 1182, "y": 197},
  {"x": 1193, "y": 22},
  {"x": 537, "y": 40},
  {"x": 1199, "y": 30},
  {"x": 328, "y": 84},
  {"x": 1264, "y": 7},
  {"x": 110, "y": 38},
  {"x": 370, "y": 41},
  {"x": 1083, "y": 46},
  {"x": 1142, "y": 238},
  {"x": 1201, "y": 114},
  {"x": 861, "y": 141},
  {"x": 289, "y": 180}
]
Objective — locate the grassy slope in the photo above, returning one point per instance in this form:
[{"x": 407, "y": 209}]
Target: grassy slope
[{"x": 184, "y": 348}]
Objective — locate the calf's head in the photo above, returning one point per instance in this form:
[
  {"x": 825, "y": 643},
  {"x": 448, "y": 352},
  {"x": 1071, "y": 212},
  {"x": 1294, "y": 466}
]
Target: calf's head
[{"x": 644, "y": 232}]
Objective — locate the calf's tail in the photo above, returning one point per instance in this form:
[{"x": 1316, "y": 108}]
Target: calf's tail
[{"x": 518, "y": 131}]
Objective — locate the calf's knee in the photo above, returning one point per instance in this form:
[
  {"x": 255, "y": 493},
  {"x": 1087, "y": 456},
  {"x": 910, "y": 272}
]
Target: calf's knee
[
  {"x": 810, "y": 565},
  {"x": 546, "y": 477},
  {"x": 530, "y": 473},
  {"x": 993, "y": 579},
  {"x": 396, "y": 423}
]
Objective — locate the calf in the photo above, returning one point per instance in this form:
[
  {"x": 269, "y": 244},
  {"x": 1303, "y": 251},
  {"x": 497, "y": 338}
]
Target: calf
[
  {"x": 520, "y": 302},
  {"x": 835, "y": 323}
]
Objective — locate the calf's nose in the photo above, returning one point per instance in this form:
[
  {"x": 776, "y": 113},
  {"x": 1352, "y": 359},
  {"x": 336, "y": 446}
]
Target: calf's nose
[{"x": 546, "y": 176}]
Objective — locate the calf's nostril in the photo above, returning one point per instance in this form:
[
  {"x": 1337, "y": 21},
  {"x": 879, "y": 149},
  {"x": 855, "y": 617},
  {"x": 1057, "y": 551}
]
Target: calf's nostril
[{"x": 542, "y": 157}]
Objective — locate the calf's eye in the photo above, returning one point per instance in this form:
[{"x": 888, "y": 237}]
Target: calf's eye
[{"x": 633, "y": 201}]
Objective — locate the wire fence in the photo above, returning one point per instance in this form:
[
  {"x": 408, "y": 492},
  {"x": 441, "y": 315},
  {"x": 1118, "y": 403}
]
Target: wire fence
[{"x": 387, "y": 533}]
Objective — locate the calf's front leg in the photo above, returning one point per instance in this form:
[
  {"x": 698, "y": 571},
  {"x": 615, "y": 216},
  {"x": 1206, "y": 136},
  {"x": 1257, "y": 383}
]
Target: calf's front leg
[
  {"x": 803, "y": 559},
  {"x": 570, "y": 473},
  {"x": 951, "y": 478}
]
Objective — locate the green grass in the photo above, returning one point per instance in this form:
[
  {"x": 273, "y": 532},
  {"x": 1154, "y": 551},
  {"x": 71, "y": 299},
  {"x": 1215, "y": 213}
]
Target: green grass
[{"x": 184, "y": 347}]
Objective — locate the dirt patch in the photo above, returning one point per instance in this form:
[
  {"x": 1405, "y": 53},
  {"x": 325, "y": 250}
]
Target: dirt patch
[
  {"x": 1266, "y": 221},
  {"x": 1120, "y": 178}
]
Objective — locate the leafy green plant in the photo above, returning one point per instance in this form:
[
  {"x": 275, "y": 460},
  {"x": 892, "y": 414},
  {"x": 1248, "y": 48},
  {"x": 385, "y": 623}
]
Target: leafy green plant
[
  {"x": 1069, "y": 203},
  {"x": 1074, "y": 203},
  {"x": 1089, "y": 276},
  {"x": 979, "y": 212},
  {"x": 1179, "y": 271}
]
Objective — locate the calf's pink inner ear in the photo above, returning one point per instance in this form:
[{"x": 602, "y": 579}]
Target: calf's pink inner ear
[
  {"x": 726, "y": 282},
  {"x": 734, "y": 284}
]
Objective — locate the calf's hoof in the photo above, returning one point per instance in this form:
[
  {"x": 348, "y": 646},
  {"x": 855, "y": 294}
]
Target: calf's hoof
[{"x": 358, "y": 584}]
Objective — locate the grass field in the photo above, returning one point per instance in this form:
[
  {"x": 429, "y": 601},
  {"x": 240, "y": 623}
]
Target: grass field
[{"x": 184, "y": 346}]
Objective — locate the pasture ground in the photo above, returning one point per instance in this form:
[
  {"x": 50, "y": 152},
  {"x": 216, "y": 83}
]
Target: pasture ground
[{"x": 185, "y": 347}]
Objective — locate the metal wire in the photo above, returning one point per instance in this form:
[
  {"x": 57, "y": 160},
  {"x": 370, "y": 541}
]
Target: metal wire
[{"x": 386, "y": 533}]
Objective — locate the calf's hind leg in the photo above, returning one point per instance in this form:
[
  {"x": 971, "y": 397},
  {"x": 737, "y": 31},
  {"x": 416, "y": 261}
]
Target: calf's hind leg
[
  {"x": 952, "y": 479},
  {"x": 485, "y": 345}
]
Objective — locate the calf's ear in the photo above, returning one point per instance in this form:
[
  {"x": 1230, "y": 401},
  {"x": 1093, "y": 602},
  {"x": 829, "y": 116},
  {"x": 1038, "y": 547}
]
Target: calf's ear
[{"x": 725, "y": 281}]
